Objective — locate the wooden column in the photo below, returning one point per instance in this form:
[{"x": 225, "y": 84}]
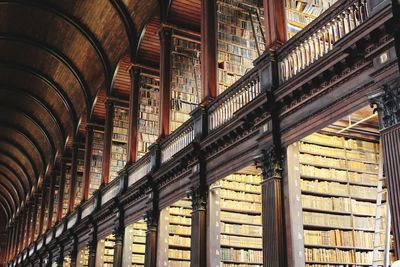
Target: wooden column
[
  {"x": 387, "y": 101},
  {"x": 62, "y": 189},
  {"x": 42, "y": 206},
  {"x": 22, "y": 220},
  {"x": 87, "y": 162},
  {"x": 51, "y": 199},
  {"x": 165, "y": 80},
  {"x": 108, "y": 129},
  {"x": 74, "y": 253},
  {"x": 274, "y": 23},
  {"x": 74, "y": 168},
  {"x": 34, "y": 219},
  {"x": 119, "y": 234},
  {"x": 209, "y": 49},
  {"x": 198, "y": 256},
  {"x": 134, "y": 105},
  {"x": 14, "y": 246},
  {"x": 92, "y": 248},
  {"x": 28, "y": 224},
  {"x": 272, "y": 211},
  {"x": 151, "y": 238}
]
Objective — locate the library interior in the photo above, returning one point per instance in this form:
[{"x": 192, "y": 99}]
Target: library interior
[{"x": 219, "y": 133}]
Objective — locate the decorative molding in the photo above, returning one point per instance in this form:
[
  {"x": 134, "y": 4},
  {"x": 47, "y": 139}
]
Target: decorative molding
[
  {"x": 199, "y": 198},
  {"x": 386, "y": 101},
  {"x": 271, "y": 164}
]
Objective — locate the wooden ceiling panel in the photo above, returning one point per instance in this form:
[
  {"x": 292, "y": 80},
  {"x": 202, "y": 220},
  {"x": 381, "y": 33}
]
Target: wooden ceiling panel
[
  {"x": 99, "y": 110},
  {"x": 186, "y": 12},
  {"x": 149, "y": 50},
  {"x": 141, "y": 11},
  {"x": 122, "y": 80}
]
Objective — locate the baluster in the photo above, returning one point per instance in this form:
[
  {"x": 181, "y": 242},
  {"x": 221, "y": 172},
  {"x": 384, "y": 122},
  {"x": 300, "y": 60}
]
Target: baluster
[
  {"x": 287, "y": 69},
  {"x": 335, "y": 30},
  {"x": 316, "y": 46},
  {"x": 325, "y": 40},
  {"x": 341, "y": 26},
  {"x": 302, "y": 56},
  {"x": 330, "y": 36},
  {"x": 352, "y": 19},
  {"x": 299, "y": 63},
  {"x": 307, "y": 52},
  {"x": 312, "y": 49},
  {"x": 363, "y": 10},
  {"x": 346, "y": 20},
  {"x": 357, "y": 17},
  {"x": 295, "y": 63},
  {"x": 320, "y": 43}
]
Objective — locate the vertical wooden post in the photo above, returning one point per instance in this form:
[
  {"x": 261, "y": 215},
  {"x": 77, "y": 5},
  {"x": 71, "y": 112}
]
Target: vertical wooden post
[
  {"x": 29, "y": 221},
  {"x": 198, "y": 254},
  {"x": 62, "y": 189},
  {"x": 42, "y": 206},
  {"x": 209, "y": 51},
  {"x": 34, "y": 219},
  {"x": 134, "y": 106},
  {"x": 74, "y": 252},
  {"x": 165, "y": 80},
  {"x": 274, "y": 23},
  {"x": 51, "y": 199},
  {"x": 14, "y": 242},
  {"x": 93, "y": 247},
  {"x": 10, "y": 241},
  {"x": 22, "y": 228},
  {"x": 87, "y": 162},
  {"x": 388, "y": 105},
  {"x": 107, "y": 141},
  {"x": 119, "y": 233},
  {"x": 74, "y": 168}
]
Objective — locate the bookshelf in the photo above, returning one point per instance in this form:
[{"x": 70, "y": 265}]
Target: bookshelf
[
  {"x": 235, "y": 210},
  {"x": 174, "y": 245},
  {"x": 105, "y": 250},
  {"x": 337, "y": 182},
  {"x": 185, "y": 80},
  {"x": 56, "y": 196},
  {"x": 119, "y": 141},
  {"x": 83, "y": 257},
  {"x": 299, "y": 13},
  {"x": 66, "y": 261},
  {"x": 38, "y": 211},
  {"x": 135, "y": 242},
  {"x": 96, "y": 162},
  {"x": 149, "y": 109},
  {"x": 237, "y": 47},
  {"x": 79, "y": 178},
  {"x": 67, "y": 189}
]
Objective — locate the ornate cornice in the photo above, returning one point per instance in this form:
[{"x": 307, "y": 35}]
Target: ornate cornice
[
  {"x": 386, "y": 101},
  {"x": 271, "y": 164}
]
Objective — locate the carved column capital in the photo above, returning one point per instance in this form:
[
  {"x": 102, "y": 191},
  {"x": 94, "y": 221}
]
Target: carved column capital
[
  {"x": 151, "y": 218},
  {"x": 271, "y": 164},
  {"x": 386, "y": 101},
  {"x": 165, "y": 33},
  {"x": 199, "y": 198}
]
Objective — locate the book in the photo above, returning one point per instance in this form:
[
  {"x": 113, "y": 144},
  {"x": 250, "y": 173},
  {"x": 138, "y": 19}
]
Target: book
[{"x": 119, "y": 141}]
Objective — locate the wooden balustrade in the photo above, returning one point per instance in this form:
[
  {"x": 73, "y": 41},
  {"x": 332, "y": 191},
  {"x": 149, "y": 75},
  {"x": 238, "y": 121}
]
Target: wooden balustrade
[
  {"x": 320, "y": 37},
  {"x": 182, "y": 137},
  {"x": 142, "y": 168},
  {"x": 237, "y": 96}
]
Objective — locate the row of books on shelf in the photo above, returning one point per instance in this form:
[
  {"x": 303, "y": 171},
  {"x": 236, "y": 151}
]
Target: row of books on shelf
[
  {"x": 331, "y": 140},
  {"x": 179, "y": 254},
  {"x": 250, "y": 197},
  {"x": 180, "y": 229},
  {"x": 151, "y": 95},
  {"x": 178, "y": 240},
  {"x": 149, "y": 127},
  {"x": 338, "y": 163},
  {"x": 339, "y": 175},
  {"x": 146, "y": 80},
  {"x": 339, "y": 189},
  {"x": 244, "y": 178},
  {"x": 234, "y": 59},
  {"x": 120, "y": 124},
  {"x": 182, "y": 43},
  {"x": 240, "y": 218},
  {"x": 232, "y": 69},
  {"x": 187, "y": 97},
  {"x": 241, "y": 206},
  {"x": 180, "y": 210},
  {"x": 178, "y": 117},
  {"x": 339, "y": 238},
  {"x": 230, "y": 48},
  {"x": 118, "y": 152},
  {"x": 180, "y": 220},
  {"x": 226, "y": 79},
  {"x": 338, "y": 204},
  {"x": 174, "y": 263},
  {"x": 237, "y": 40},
  {"x": 337, "y": 256},
  {"x": 240, "y": 186},
  {"x": 148, "y": 107},
  {"x": 241, "y": 255},
  {"x": 138, "y": 249},
  {"x": 241, "y": 241},
  {"x": 147, "y": 138},
  {"x": 243, "y": 229},
  {"x": 182, "y": 106},
  {"x": 338, "y": 221},
  {"x": 138, "y": 258}
]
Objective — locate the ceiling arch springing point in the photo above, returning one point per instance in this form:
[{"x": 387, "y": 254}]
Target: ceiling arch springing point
[
  {"x": 7, "y": 207},
  {"x": 11, "y": 198},
  {"x": 19, "y": 165},
  {"x": 48, "y": 81},
  {"x": 84, "y": 31},
  {"x": 56, "y": 54}
]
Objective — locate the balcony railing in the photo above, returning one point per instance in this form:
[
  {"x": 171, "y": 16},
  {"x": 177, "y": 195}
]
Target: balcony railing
[
  {"x": 142, "y": 168},
  {"x": 182, "y": 137},
  {"x": 223, "y": 108},
  {"x": 320, "y": 37}
]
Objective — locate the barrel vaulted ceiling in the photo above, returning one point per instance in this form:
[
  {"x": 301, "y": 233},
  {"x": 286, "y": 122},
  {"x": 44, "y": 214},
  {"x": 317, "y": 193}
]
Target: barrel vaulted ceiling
[{"x": 56, "y": 58}]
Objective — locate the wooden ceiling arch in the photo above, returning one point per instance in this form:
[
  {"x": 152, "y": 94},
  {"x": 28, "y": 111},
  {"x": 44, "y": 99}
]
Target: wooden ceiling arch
[{"x": 57, "y": 58}]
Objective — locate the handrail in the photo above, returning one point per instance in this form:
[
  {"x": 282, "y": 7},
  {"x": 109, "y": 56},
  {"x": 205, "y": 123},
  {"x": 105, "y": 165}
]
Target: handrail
[
  {"x": 243, "y": 91},
  {"x": 179, "y": 139},
  {"x": 141, "y": 168},
  {"x": 320, "y": 37}
]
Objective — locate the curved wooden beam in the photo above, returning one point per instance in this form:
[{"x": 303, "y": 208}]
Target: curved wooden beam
[
  {"x": 19, "y": 165},
  {"x": 26, "y": 155},
  {"x": 14, "y": 206},
  {"x": 33, "y": 143},
  {"x": 130, "y": 28},
  {"x": 56, "y": 54},
  {"x": 21, "y": 185},
  {"x": 47, "y": 109},
  {"x": 12, "y": 186},
  {"x": 82, "y": 29},
  {"x": 39, "y": 125},
  {"x": 9, "y": 210},
  {"x": 46, "y": 80}
]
